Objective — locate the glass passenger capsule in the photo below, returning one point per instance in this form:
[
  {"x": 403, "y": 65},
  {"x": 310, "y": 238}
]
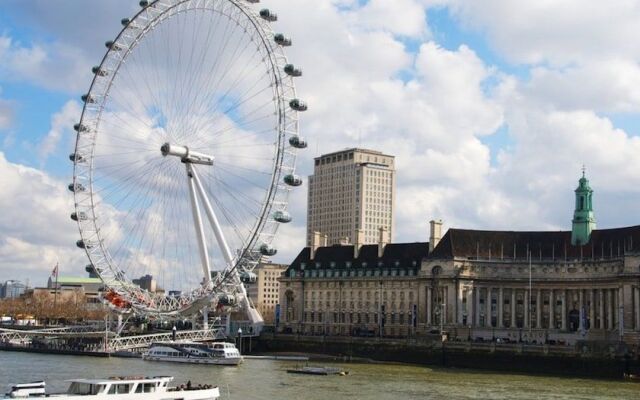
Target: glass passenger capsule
[
  {"x": 110, "y": 44},
  {"x": 80, "y": 128},
  {"x": 78, "y": 187},
  {"x": 282, "y": 216},
  {"x": 98, "y": 71},
  {"x": 87, "y": 98},
  {"x": 281, "y": 39},
  {"x": 292, "y": 70},
  {"x": 125, "y": 21},
  {"x": 227, "y": 300},
  {"x": 79, "y": 216},
  {"x": 76, "y": 157},
  {"x": 292, "y": 180},
  {"x": 267, "y": 250},
  {"x": 84, "y": 245},
  {"x": 268, "y": 15},
  {"x": 248, "y": 277},
  {"x": 298, "y": 142},
  {"x": 298, "y": 105}
]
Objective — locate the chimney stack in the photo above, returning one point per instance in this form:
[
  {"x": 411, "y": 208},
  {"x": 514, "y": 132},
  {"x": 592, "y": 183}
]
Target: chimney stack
[
  {"x": 324, "y": 240},
  {"x": 383, "y": 240},
  {"x": 344, "y": 241},
  {"x": 358, "y": 242},
  {"x": 316, "y": 241},
  {"x": 436, "y": 233}
]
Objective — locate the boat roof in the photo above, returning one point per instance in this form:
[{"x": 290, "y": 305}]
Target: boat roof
[{"x": 121, "y": 379}]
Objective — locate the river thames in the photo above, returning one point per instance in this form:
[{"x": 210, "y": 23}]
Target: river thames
[{"x": 268, "y": 379}]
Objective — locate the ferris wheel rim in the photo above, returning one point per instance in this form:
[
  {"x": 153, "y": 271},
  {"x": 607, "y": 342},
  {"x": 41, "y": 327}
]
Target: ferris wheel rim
[{"x": 286, "y": 126}]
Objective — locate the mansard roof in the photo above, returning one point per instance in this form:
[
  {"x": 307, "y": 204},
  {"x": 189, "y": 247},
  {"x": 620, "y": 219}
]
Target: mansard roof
[
  {"x": 400, "y": 255},
  {"x": 556, "y": 245}
]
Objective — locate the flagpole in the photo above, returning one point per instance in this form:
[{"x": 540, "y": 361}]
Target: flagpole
[
  {"x": 55, "y": 293},
  {"x": 530, "y": 295}
]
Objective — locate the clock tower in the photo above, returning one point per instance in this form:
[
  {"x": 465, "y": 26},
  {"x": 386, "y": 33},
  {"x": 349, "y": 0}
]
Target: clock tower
[{"x": 583, "y": 219}]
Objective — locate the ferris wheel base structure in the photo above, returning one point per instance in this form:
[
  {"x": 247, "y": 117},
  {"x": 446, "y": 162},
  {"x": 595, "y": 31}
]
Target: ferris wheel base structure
[{"x": 185, "y": 155}]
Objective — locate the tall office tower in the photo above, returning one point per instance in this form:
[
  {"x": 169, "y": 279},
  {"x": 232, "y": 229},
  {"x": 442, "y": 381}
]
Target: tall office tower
[{"x": 351, "y": 196}]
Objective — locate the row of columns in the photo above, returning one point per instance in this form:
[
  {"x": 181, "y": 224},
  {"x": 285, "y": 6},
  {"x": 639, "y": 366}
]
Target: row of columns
[{"x": 600, "y": 307}]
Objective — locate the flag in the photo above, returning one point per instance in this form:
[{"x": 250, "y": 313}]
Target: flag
[{"x": 55, "y": 271}]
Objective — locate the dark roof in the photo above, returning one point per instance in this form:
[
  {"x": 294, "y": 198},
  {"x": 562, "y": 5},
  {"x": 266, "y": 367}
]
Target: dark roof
[
  {"x": 604, "y": 243},
  {"x": 402, "y": 253}
]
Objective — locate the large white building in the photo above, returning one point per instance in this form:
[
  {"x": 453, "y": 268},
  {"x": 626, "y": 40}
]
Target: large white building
[
  {"x": 351, "y": 193},
  {"x": 264, "y": 291},
  {"x": 554, "y": 287}
]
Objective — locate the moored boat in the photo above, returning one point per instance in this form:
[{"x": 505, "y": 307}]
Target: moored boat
[
  {"x": 129, "y": 388},
  {"x": 217, "y": 353},
  {"x": 318, "y": 371}
]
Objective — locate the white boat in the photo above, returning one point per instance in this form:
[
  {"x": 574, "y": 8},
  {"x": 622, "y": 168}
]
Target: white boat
[
  {"x": 217, "y": 353},
  {"x": 119, "y": 388}
]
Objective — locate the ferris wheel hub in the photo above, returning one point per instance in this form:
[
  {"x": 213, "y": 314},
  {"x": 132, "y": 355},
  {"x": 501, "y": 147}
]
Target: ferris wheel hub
[{"x": 186, "y": 155}]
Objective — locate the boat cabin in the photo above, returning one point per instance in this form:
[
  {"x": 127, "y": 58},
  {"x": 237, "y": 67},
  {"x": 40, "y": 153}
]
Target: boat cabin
[{"x": 125, "y": 385}]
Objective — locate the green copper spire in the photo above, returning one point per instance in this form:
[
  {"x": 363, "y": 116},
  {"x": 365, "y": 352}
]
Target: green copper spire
[{"x": 583, "y": 219}]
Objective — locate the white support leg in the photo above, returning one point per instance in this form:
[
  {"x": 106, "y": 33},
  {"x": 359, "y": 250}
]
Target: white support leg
[
  {"x": 197, "y": 219},
  {"x": 215, "y": 224},
  {"x": 253, "y": 314}
]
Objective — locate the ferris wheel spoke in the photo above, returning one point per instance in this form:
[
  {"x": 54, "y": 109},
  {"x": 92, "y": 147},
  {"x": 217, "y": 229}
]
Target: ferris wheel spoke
[
  {"x": 213, "y": 137},
  {"x": 238, "y": 80},
  {"x": 133, "y": 214},
  {"x": 122, "y": 125},
  {"x": 229, "y": 167},
  {"x": 117, "y": 184},
  {"x": 194, "y": 72},
  {"x": 228, "y": 218},
  {"x": 224, "y": 96},
  {"x": 228, "y": 35},
  {"x": 224, "y": 186},
  {"x": 210, "y": 96}
]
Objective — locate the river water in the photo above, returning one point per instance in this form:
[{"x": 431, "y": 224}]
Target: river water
[{"x": 267, "y": 379}]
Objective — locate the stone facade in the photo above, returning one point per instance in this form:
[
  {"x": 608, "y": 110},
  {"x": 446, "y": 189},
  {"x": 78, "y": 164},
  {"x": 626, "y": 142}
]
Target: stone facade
[
  {"x": 478, "y": 285},
  {"x": 353, "y": 290},
  {"x": 543, "y": 289}
]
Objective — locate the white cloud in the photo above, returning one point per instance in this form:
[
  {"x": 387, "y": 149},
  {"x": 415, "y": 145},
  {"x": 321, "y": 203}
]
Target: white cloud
[
  {"x": 604, "y": 85},
  {"x": 35, "y": 224},
  {"x": 61, "y": 124},
  {"x": 6, "y": 114},
  {"x": 558, "y": 32},
  {"x": 58, "y": 66},
  {"x": 400, "y": 17}
]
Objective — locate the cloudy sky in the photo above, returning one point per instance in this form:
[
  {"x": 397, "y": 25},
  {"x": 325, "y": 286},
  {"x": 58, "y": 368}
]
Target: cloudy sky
[{"x": 491, "y": 108}]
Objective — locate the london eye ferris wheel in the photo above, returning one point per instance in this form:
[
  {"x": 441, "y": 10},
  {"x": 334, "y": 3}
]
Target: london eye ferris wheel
[{"x": 185, "y": 153}]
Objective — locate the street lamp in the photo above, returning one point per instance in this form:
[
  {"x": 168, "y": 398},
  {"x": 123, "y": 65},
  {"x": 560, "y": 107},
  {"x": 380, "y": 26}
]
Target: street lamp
[
  {"x": 440, "y": 314},
  {"x": 240, "y": 338}
]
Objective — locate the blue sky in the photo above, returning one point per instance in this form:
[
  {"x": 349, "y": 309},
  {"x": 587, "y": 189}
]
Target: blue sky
[{"x": 490, "y": 108}]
